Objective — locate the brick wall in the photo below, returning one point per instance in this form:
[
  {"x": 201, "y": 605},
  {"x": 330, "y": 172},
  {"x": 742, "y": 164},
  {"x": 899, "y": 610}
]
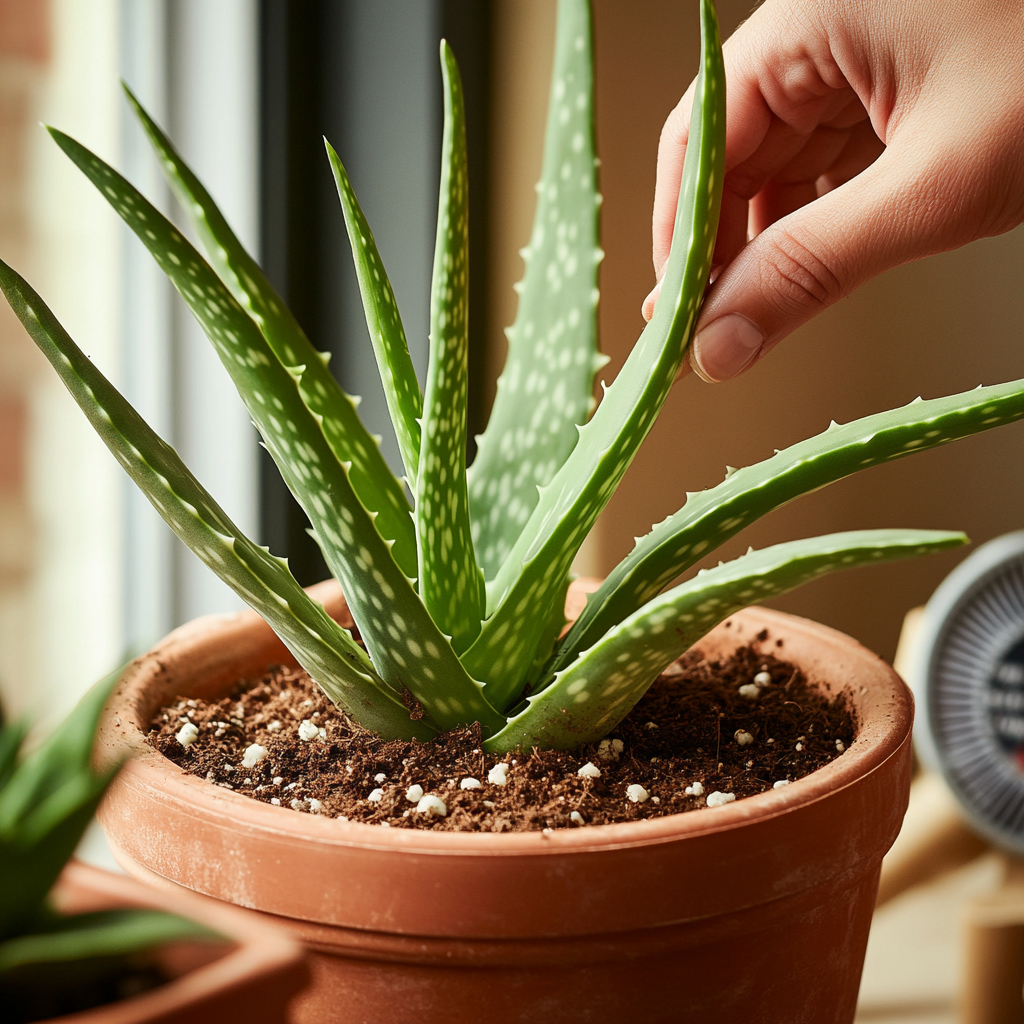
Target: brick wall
[{"x": 24, "y": 55}]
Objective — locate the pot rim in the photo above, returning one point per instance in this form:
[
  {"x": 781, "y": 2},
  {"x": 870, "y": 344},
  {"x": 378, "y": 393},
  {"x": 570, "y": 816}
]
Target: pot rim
[
  {"x": 880, "y": 736},
  {"x": 257, "y": 957}
]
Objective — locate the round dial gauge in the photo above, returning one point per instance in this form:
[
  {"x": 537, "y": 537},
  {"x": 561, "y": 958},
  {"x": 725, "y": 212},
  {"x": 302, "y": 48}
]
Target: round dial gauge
[{"x": 968, "y": 678}]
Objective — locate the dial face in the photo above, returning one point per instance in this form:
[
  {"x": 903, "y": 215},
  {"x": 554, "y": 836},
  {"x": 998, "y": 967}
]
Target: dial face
[
  {"x": 1006, "y": 703},
  {"x": 975, "y": 700}
]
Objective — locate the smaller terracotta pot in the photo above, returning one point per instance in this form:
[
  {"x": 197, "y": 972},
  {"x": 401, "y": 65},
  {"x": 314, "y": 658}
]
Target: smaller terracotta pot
[{"x": 251, "y": 976}]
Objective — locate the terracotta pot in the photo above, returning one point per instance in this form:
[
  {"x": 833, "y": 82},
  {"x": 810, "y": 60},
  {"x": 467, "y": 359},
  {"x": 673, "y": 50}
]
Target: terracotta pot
[
  {"x": 755, "y": 911},
  {"x": 251, "y": 976}
]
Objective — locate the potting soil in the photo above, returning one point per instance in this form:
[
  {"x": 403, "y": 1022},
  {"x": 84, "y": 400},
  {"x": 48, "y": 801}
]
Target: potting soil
[{"x": 706, "y": 732}]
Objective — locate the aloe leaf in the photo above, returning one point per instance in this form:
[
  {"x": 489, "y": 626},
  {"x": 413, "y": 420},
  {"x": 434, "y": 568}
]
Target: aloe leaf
[
  {"x": 384, "y": 322},
  {"x": 12, "y": 735},
  {"x": 595, "y": 693},
  {"x": 103, "y": 933},
  {"x": 532, "y": 574},
  {"x": 451, "y": 585},
  {"x": 546, "y": 387},
  {"x": 408, "y": 656},
  {"x": 710, "y": 517},
  {"x": 47, "y": 800},
  {"x": 64, "y": 756},
  {"x": 549, "y": 637},
  {"x": 349, "y": 439},
  {"x": 34, "y": 850},
  {"x": 323, "y": 648}
]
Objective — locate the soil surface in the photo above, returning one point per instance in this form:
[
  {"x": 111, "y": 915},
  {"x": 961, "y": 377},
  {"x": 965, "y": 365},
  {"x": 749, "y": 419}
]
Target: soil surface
[
  {"x": 704, "y": 730},
  {"x": 35, "y": 992}
]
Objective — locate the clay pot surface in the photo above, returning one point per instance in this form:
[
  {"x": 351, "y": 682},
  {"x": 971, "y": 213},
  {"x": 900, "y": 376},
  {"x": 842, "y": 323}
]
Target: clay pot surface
[
  {"x": 755, "y": 911},
  {"x": 251, "y": 975}
]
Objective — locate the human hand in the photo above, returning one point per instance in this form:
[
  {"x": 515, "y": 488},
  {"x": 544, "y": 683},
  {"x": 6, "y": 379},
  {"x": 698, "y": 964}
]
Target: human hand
[{"x": 860, "y": 136}]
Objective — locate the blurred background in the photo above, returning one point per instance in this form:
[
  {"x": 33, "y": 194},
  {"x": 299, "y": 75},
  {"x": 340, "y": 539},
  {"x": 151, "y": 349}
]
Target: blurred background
[{"x": 246, "y": 89}]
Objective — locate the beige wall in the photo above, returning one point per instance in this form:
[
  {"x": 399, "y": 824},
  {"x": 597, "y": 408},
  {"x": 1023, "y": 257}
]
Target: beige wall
[{"x": 936, "y": 327}]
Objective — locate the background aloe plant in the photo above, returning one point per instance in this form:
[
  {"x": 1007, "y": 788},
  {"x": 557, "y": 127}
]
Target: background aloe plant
[
  {"x": 458, "y": 584},
  {"x": 47, "y": 798}
]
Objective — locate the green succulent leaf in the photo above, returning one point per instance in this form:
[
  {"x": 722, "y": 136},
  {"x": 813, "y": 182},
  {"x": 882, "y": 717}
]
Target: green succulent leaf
[
  {"x": 64, "y": 757},
  {"x": 546, "y": 388},
  {"x": 534, "y": 571},
  {"x": 356, "y": 553},
  {"x": 12, "y": 735},
  {"x": 320, "y": 645},
  {"x": 451, "y": 585},
  {"x": 35, "y": 849},
  {"x": 595, "y": 693},
  {"x": 47, "y": 800},
  {"x": 549, "y": 637},
  {"x": 384, "y": 322},
  {"x": 104, "y": 933},
  {"x": 710, "y": 517},
  {"x": 349, "y": 440}
]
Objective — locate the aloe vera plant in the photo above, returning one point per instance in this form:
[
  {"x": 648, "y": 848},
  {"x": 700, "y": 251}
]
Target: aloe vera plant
[
  {"x": 47, "y": 798},
  {"x": 457, "y": 583}
]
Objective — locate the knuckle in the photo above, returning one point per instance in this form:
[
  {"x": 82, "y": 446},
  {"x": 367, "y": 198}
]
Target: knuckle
[
  {"x": 794, "y": 276},
  {"x": 971, "y": 194}
]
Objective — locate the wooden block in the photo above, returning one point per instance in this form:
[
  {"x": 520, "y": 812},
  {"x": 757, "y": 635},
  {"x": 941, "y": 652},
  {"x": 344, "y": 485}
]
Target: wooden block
[{"x": 993, "y": 991}]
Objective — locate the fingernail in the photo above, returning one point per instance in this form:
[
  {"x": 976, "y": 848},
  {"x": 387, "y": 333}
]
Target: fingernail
[{"x": 725, "y": 348}]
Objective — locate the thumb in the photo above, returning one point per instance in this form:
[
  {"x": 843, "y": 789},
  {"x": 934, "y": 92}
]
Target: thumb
[{"x": 801, "y": 264}]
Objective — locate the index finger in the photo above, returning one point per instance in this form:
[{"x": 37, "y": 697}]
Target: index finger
[{"x": 782, "y": 83}]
